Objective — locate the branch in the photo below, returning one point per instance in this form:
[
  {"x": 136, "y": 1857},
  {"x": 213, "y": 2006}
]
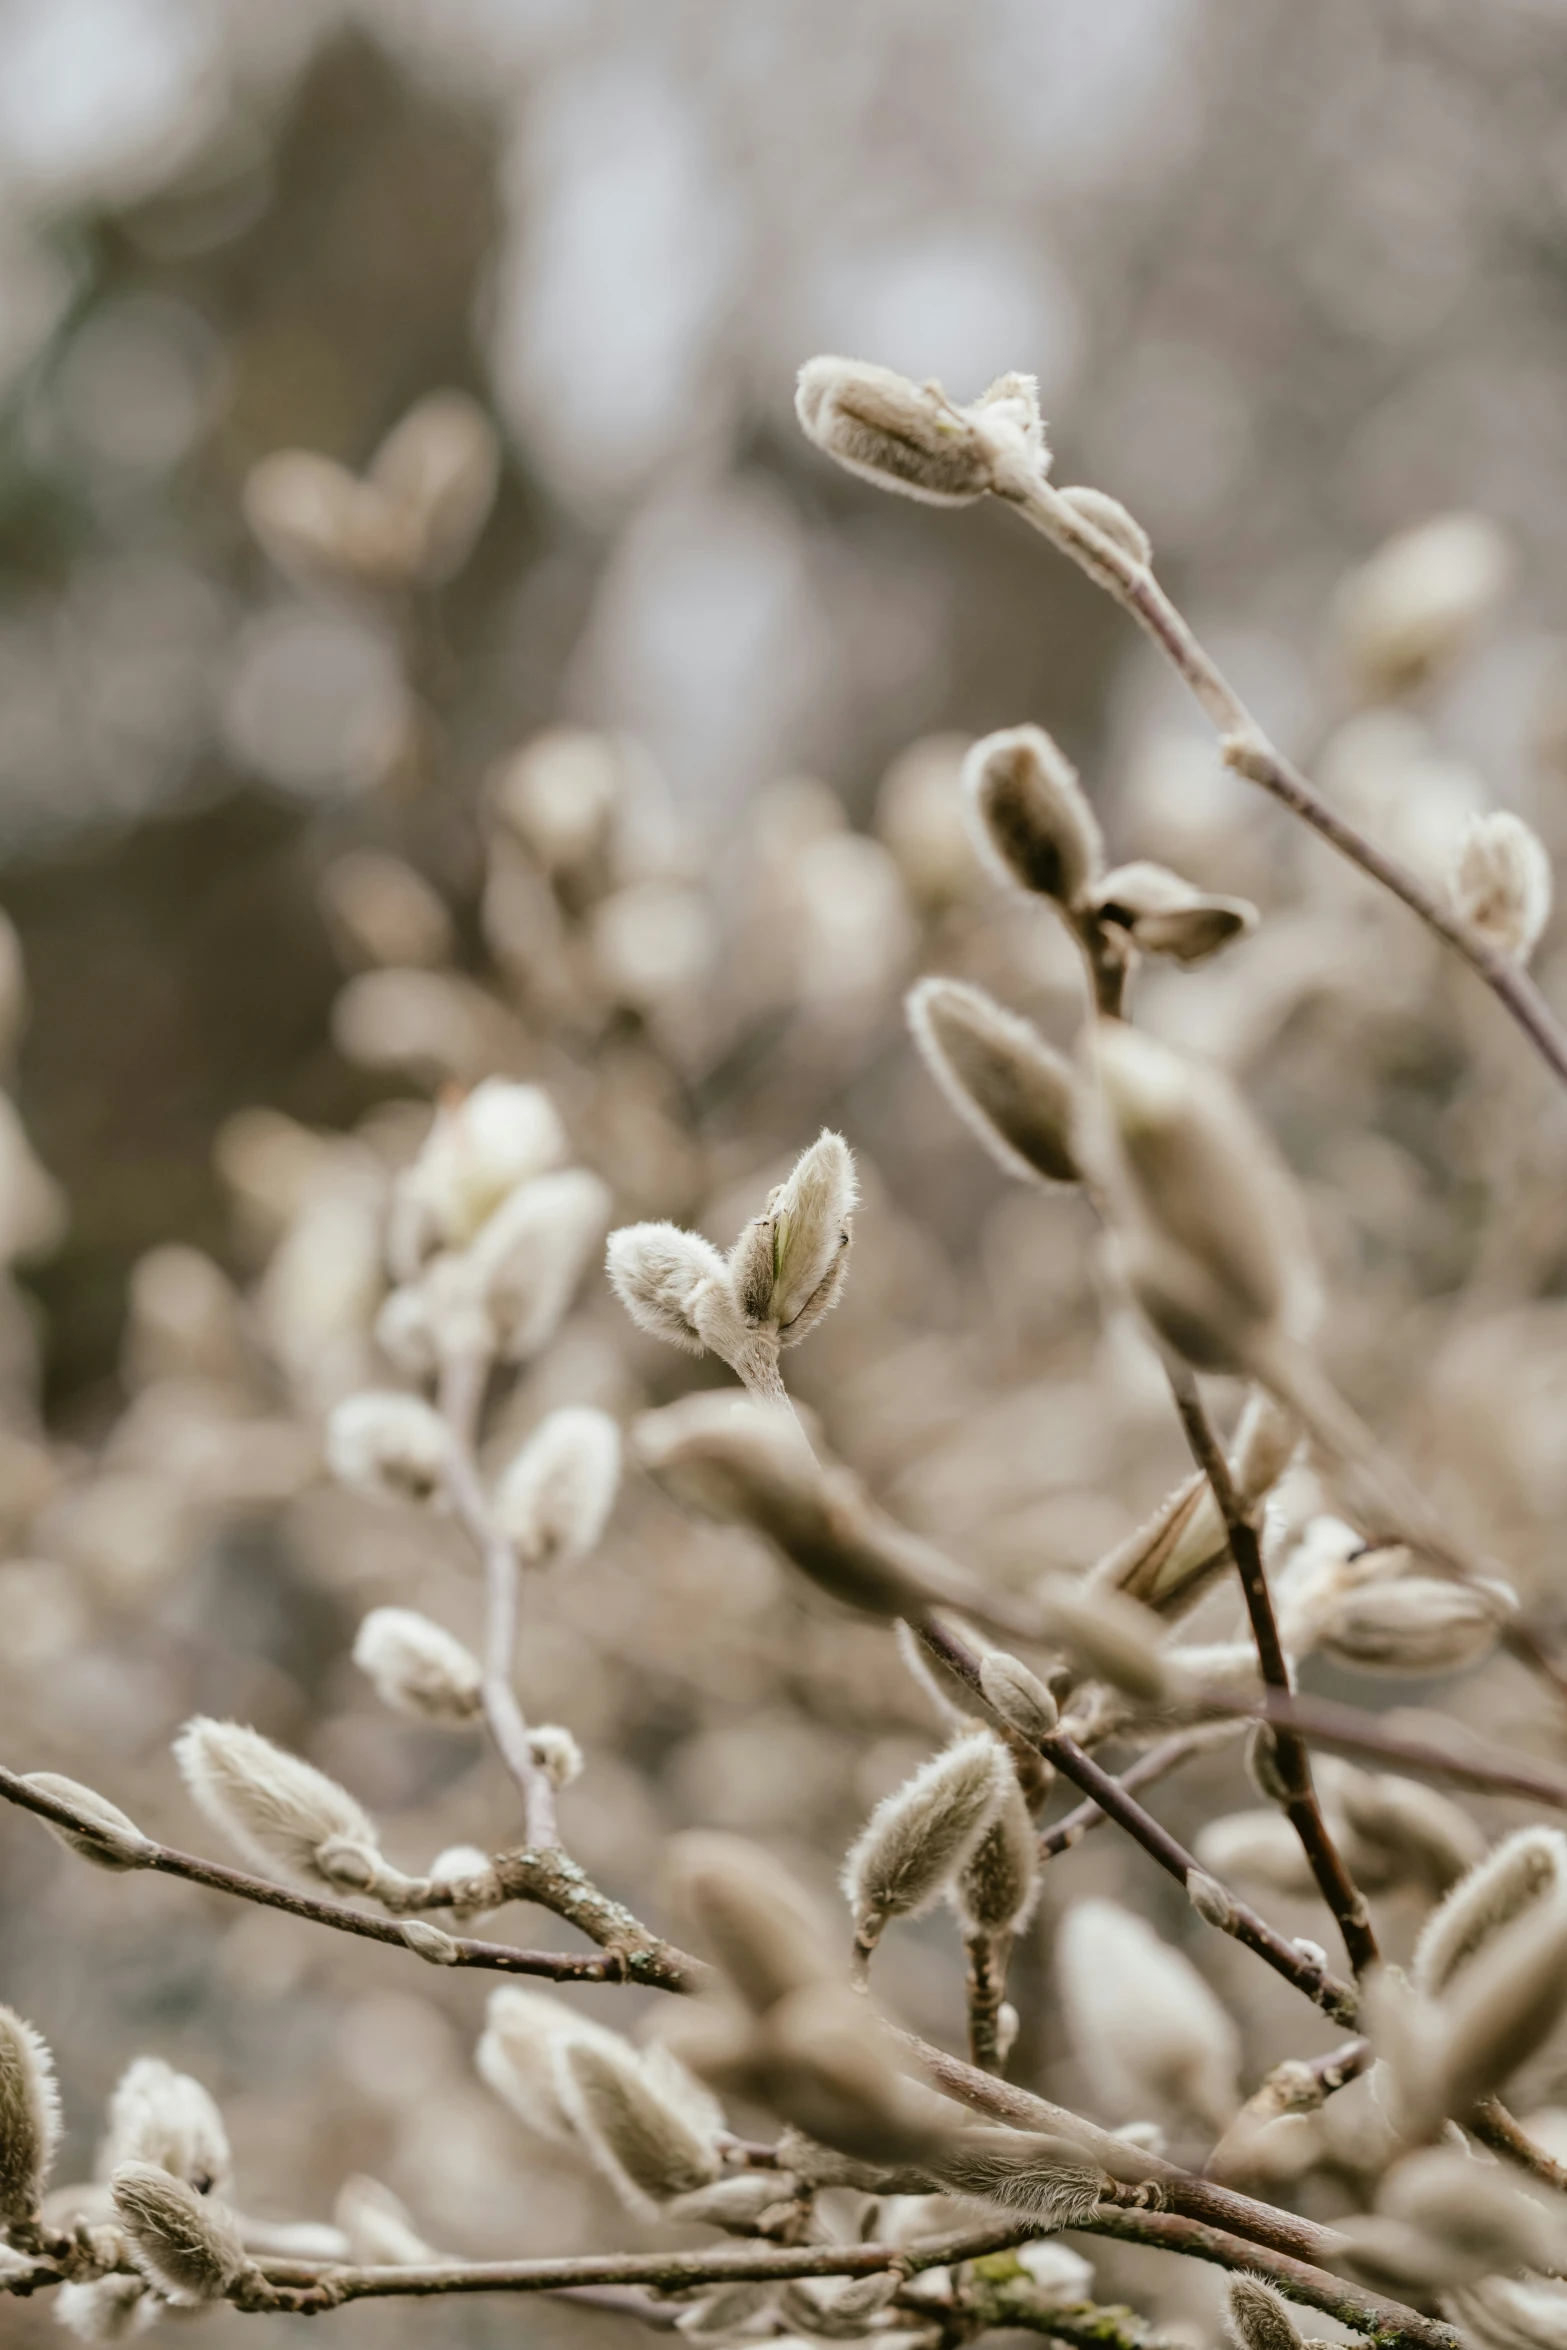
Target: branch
[
  {"x": 1156, "y": 1764},
  {"x": 1303, "y": 1809}
]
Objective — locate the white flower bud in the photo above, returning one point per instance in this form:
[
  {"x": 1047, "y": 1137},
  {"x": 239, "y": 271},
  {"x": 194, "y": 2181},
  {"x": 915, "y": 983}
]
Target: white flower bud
[
  {"x": 392, "y": 1445},
  {"x": 668, "y": 1281},
  {"x": 1018, "y": 1696},
  {"x": 1474, "y": 2212},
  {"x": 759, "y": 1924},
  {"x": 1206, "y": 1217},
  {"x": 1418, "y": 1835},
  {"x": 438, "y": 470},
  {"x": 648, "y": 2148},
  {"x": 531, "y": 1255},
  {"x": 320, "y": 523},
  {"x": 1526, "y": 1868},
  {"x": 379, "y": 2231},
  {"x": 464, "y": 1872},
  {"x": 1062, "y": 2278},
  {"x": 1118, "y": 1639},
  {"x": 103, "y": 2309},
  {"x": 1421, "y": 597},
  {"x": 1142, "y": 2019},
  {"x": 1166, "y": 915},
  {"x": 1418, "y": 1625},
  {"x": 900, "y": 435},
  {"x": 29, "y": 2117},
  {"x": 418, "y": 1668},
  {"x": 1109, "y": 517},
  {"x": 1029, "y": 819},
  {"x": 995, "y": 1890},
  {"x": 275, "y": 1809},
  {"x": 160, "y": 2116},
  {"x": 186, "y": 2245},
  {"x": 105, "y": 1836},
  {"x": 1501, "y": 2007},
  {"x": 557, "y": 1754},
  {"x": 554, "y": 1498},
  {"x": 1051, "y": 2179},
  {"x": 920, "y": 1836},
  {"x": 431, "y": 1943},
  {"x": 481, "y": 1146},
  {"x": 787, "y": 1267},
  {"x": 560, "y": 792},
  {"x": 1510, "y": 2313},
  {"x": 996, "y": 1070},
  {"x": 1257, "y": 2318},
  {"x": 516, "y": 2056},
  {"x": 1502, "y": 882}
]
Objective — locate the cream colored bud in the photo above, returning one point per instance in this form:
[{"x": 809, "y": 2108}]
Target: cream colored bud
[
  {"x": 822, "y": 2063},
  {"x": 516, "y": 2056},
  {"x": 1502, "y": 882},
  {"x": 1061, "y": 2278},
  {"x": 531, "y": 1256},
  {"x": 1143, "y": 2021},
  {"x": 1257, "y": 2318},
  {"x": 379, "y": 2230},
  {"x": 1165, "y": 915},
  {"x": 920, "y": 1836},
  {"x": 648, "y": 2147},
  {"x": 1211, "y": 1900},
  {"x": 1421, "y": 597},
  {"x": 1029, "y": 818},
  {"x": 1259, "y": 1846},
  {"x": 438, "y": 469},
  {"x": 1510, "y": 2313},
  {"x": 1051, "y": 2179},
  {"x": 788, "y": 1265},
  {"x": 560, "y": 792},
  {"x": 186, "y": 2245},
  {"x": 184, "y": 1319},
  {"x": 995, "y": 1890},
  {"x": 668, "y": 1281},
  {"x": 1474, "y": 2212},
  {"x": 29, "y": 2117},
  {"x": 1526, "y": 1868},
  {"x": 1208, "y": 1223},
  {"x": 1017, "y": 1695},
  {"x": 417, "y": 1668},
  {"x": 758, "y": 1923},
  {"x": 996, "y": 1070},
  {"x": 275, "y": 1809},
  {"x": 463, "y": 1872},
  {"x": 160, "y": 2116},
  {"x": 321, "y": 524},
  {"x": 1109, "y": 517},
  {"x": 1266, "y": 1443},
  {"x": 1117, "y": 1638},
  {"x": 1501, "y": 2007},
  {"x": 1418, "y": 1625},
  {"x": 481, "y": 1146},
  {"x": 1420, "y": 1835},
  {"x": 554, "y": 1498},
  {"x": 901, "y": 435},
  {"x": 431, "y": 1943},
  {"x": 102, "y": 2309},
  {"x": 557, "y": 1754},
  {"x": 384, "y": 912},
  {"x": 392, "y": 1445},
  {"x": 105, "y": 1835}
]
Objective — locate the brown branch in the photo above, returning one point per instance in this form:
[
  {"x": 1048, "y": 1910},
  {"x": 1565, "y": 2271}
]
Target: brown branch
[
  {"x": 1484, "y": 1769},
  {"x": 1156, "y": 1764}
]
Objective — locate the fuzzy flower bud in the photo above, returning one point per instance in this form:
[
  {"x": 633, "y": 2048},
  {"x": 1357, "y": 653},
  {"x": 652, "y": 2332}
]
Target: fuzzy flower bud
[
  {"x": 532, "y": 1253},
  {"x": 431, "y": 1943},
  {"x": 1018, "y": 1696},
  {"x": 29, "y": 2117},
  {"x": 1256, "y": 2318},
  {"x": 517, "y": 2056},
  {"x": 1117, "y": 1638},
  {"x": 159, "y": 2116},
  {"x": 187, "y": 2246},
  {"x": 379, "y": 2231},
  {"x": 102, "y": 2309},
  {"x": 788, "y": 1265},
  {"x": 1502, "y": 882},
  {"x": 917, "y": 1838},
  {"x": 1165, "y": 915},
  {"x": 747, "y": 1909},
  {"x": 1473, "y": 2211},
  {"x": 995, "y": 1889},
  {"x": 438, "y": 470},
  {"x": 996, "y": 1070},
  {"x": 1144, "y": 2022},
  {"x": 1421, "y": 597},
  {"x": 481, "y": 1146},
  {"x": 1526, "y": 1868},
  {"x": 275, "y": 1809},
  {"x": 1029, "y": 819},
  {"x": 668, "y": 1281},
  {"x": 1051, "y": 2179},
  {"x": 901, "y": 435},
  {"x": 417, "y": 1668},
  {"x": 388, "y": 1444},
  {"x": 557, "y": 1754},
  {"x": 649, "y": 2144},
  {"x": 1501, "y": 2008},
  {"x": 320, "y": 523},
  {"x": 105, "y": 1836},
  {"x": 1418, "y": 1625},
  {"x": 554, "y": 1498},
  {"x": 1509, "y": 2313},
  {"x": 1109, "y": 517}
]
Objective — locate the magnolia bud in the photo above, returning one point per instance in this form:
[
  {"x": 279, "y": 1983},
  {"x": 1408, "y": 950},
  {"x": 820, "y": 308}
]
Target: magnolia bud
[
  {"x": 320, "y": 523},
  {"x": 438, "y": 468},
  {"x": 1029, "y": 818},
  {"x": 481, "y": 1146},
  {"x": 1509, "y": 2313},
  {"x": 1017, "y": 1695},
  {"x": 29, "y": 2117},
  {"x": 516, "y": 2056},
  {"x": 1207, "y": 1219},
  {"x": 431, "y": 1943},
  {"x": 1502, "y": 882},
  {"x": 995, "y": 1889},
  {"x": 667, "y": 1279},
  {"x": 1257, "y": 2318},
  {"x": 762, "y": 1928},
  {"x": 1142, "y": 2019},
  {"x": 1473, "y": 2211},
  {"x": 529, "y": 1258},
  {"x": 557, "y": 1754},
  {"x": 554, "y": 1498},
  {"x": 188, "y": 2247},
  {"x": 1526, "y": 1868},
  {"x": 392, "y": 1445},
  {"x": 918, "y": 1837},
  {"x": 648, "y": 2148},
  {"x": 1115, "y": 1637},
  {"x": 1420, "y": 597},
  {"x": 1501, "y": 2008},
  {"x": 1418, "y": 1625},
  {"x": 379, "y": 2231},
  {"x": 157, "y": 2115},
  {"x": 1000, "y": 1076},
  {"x": 900, "y": 435},
  {"x": 274, "y": 1808},
  {"x": 417, "y": 1668},
  {"x": 1109, "y": 517},
  {"x": 105, "y": 1835},
  {"x": 560, "y": 792},
  {"x": 821, "y": 2062},
  {"x": 1213, "y": 1904},
  {"x": 1259, "y": 1846},
  {"x": 1051, "y": 2179},
  {"x": 103, "y": 2309},
  {"x": 1168, "y": 916},
  {"x": 1422, "y": 1836},
  {"x": 788, "y": 1266}
]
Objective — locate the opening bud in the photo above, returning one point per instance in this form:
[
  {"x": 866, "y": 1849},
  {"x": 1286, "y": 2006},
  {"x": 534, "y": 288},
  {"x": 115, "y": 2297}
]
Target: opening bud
[
  {"x": 901, "y": 435},
  {"x": 996, "y": 1070}
]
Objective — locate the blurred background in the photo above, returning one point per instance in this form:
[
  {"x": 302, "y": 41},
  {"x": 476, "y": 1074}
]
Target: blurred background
[{"x": 283, "y": 855}]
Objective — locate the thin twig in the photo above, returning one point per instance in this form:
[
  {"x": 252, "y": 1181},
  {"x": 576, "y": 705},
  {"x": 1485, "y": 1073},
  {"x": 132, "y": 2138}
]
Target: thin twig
[
  {"x": 1156, "y": 1764},
  {"x": 1303, "y": 1810}
]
